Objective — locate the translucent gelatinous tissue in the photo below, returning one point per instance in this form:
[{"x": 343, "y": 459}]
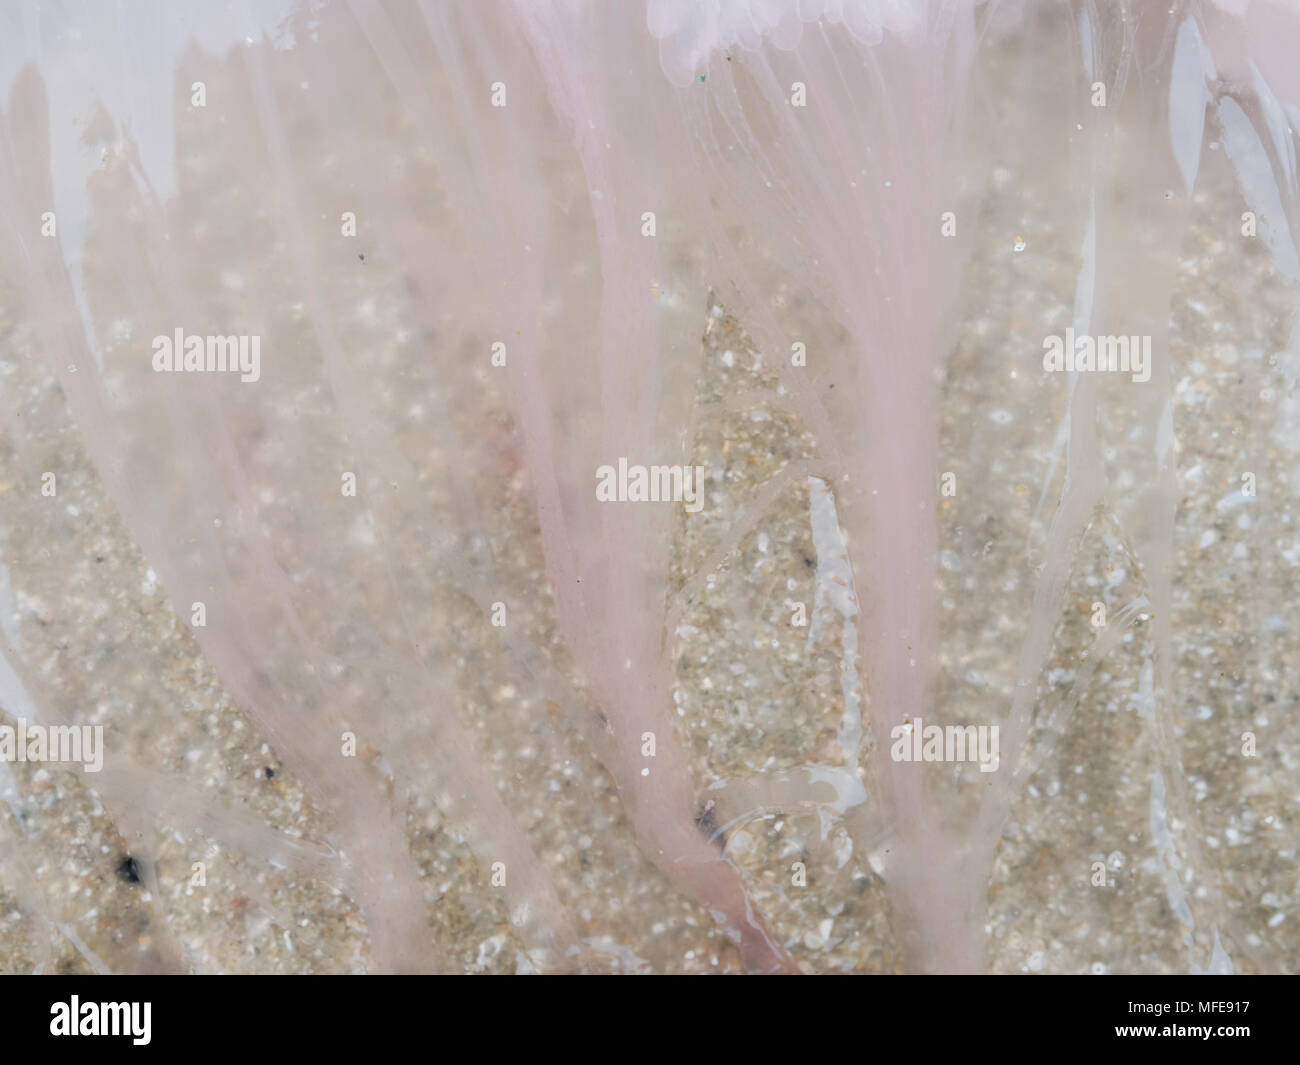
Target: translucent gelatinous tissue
[{"x": 813, "y": 248}]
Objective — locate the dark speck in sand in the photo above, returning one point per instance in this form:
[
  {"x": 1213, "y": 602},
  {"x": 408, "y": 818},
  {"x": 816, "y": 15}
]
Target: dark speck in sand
[{"x": 707, "y": 823}]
